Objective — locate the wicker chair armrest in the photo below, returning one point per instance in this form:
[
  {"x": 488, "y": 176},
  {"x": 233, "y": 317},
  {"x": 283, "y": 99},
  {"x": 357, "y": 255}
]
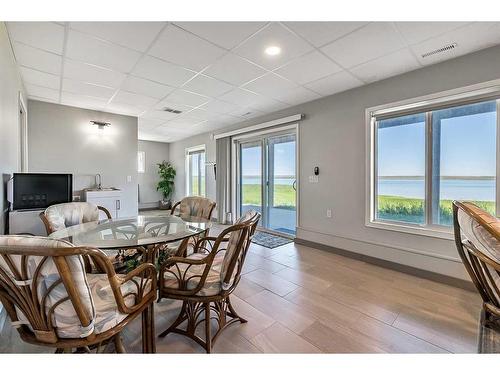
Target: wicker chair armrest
[
  {"x": 145, "y": 280},
  {"x": 208, "y": 243},
  {"x": 171, "y": 266},
  {"x": 141, "y": 276}
]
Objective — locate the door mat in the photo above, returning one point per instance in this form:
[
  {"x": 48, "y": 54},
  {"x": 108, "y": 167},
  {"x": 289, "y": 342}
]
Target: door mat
[{"x": 269, "y": 240}]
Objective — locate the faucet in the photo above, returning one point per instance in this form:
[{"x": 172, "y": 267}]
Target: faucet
[{"x": 98, "y": 184}]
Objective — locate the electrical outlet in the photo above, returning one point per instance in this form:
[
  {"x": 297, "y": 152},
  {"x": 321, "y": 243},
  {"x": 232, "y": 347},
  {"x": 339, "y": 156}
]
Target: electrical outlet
[
  {"x": 328, "y": 213},
  {"x": 129, "y": 178}
]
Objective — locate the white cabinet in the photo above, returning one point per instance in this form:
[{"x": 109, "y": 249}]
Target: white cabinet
[{"x": 107, "y": 198}]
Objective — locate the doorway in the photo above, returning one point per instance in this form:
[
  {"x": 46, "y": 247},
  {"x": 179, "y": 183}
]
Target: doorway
[{"x": 267, "y": 179}]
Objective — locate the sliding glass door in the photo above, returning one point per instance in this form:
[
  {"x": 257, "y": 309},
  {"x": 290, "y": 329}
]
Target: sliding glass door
[
  {"x": 267, "y": 180},
  {"x": 251, "y": 177}
]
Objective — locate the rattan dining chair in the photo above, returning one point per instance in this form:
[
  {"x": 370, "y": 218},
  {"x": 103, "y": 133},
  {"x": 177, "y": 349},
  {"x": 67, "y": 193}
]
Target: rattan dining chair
[
  {"x": 190, "y": 207},
  {"x": 477, "y": 237},
  {"x": 53, "y": 301},
  {"x": 205, "y": 280},
  {"x": 63, "y": 215},
  {"x": 200, "y": 207}
]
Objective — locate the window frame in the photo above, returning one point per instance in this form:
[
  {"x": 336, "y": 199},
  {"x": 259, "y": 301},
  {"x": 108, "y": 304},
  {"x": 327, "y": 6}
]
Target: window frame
[
  {"x": 424, "y": 104},
  {"x": 143, "y": 162},
  {"x": 193, "y": 150}
]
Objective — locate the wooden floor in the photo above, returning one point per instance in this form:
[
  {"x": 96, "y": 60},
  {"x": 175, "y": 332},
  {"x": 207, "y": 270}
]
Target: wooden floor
[{"x": 302, "y": 300}]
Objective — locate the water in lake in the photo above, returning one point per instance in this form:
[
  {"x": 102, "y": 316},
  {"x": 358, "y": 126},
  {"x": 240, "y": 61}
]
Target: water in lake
[{"x": 478, "y": 190}]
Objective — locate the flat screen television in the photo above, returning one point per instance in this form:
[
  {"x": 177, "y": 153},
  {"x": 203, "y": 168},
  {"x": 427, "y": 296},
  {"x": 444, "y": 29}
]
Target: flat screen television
[{"x": 40, "y": 190}]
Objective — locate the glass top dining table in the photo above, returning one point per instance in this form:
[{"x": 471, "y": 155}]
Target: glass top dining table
[{"x": 133, "y": 232}]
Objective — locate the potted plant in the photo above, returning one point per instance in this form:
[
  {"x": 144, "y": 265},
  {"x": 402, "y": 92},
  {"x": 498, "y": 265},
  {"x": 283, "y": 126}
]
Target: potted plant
[{"x": 166, "y": 183}]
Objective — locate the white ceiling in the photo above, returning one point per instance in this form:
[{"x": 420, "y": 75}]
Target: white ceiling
[{"x": 217, "y": 73}]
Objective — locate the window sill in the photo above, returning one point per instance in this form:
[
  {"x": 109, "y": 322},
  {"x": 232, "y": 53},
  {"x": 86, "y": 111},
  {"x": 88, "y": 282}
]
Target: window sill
[{"x": 435, "y": 232}]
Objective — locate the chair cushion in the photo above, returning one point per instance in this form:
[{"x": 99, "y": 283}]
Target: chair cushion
[
  {"x": 197, "y": 207},
  {"x": 64, "y": 319},
  {"x": 65, "y": 215},
  {"x": 107, "y": 313},
  {"x": 193, "y": 274}
]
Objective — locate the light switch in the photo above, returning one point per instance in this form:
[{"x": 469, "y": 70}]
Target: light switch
[{"x": 129, "y": 178}]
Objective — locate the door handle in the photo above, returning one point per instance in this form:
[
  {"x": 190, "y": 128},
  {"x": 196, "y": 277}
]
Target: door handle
[
  {"x": 294, "y": 185},
  {"x": 117, "y": 204}
]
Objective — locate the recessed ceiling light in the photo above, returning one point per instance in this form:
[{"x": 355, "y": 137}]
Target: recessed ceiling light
[{"x": 273, "y": 50}]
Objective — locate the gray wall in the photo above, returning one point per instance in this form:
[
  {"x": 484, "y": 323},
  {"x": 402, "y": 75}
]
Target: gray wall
[
  {"x": 155, "y": 152},
  {"x": 10, "y": 86},
  {"x": 61, "y": 139},
  {"x": 332, "y": 136}
]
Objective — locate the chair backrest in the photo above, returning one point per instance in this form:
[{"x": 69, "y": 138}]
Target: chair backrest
[
  {"x": 240, "y": 237},
  {"x": 477, "y": 236},
  {"x": 196, "y": 207},
  {"x": 63, "y": 215},
  {"x": 44, "y": 288}
]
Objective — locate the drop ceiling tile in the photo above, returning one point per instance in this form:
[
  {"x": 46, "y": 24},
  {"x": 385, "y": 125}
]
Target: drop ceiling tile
[
  {"x": 42, "y": 92},
  {"x": 43, "y": 35},
  {"x": 92, "y": 74},
  {"x": 274, "y": 35},
  {"x": 219, "y": 106},
  {"x": 298, "y": 95},
  {"x": 37, "y": 58},
  {"x": 469, "y": 38},
  {"x": 268, "y": 105},
  {"x": 207, "y": 86},
  {"x": 185, "y": 49},
  {"x": 270, "y": 85},
  {"x": 187, "y": 98},
  {"x": 374, "y": 40},
  {"x": 156, "y": 114},
  {"x": 182, "y": 123},
  {"x": 82, "y": 101},
  {"x": 235, "y": 70},
  {"x": 166, "y": 103},
  {"x": 386, "y": 66},
  {"x": 335, "y": 83},
  {"x": 162, "y": 71},
  {"x": 125, "y": 109},
  {"x": 149, "y": 123},
  {"x": 245, "y": 113},
  {"x": 88, "y": 49},
  {"x": 153, "y": 136},
  {"x": 416, "y": 32},
  {"x": 145, "y": 87},
  {"x": 134, "y": 35},
  {"x": 241, "y": 97},
  {"x": 38, "y": 78},
  {"x": 124, "y": 97},
  {"x": 321, "y": 33},
  {"x": 202, "y": 115},
  {"x": 40, "y": 99},
  {"x": 82, "y": 88},
  {"x": 309, "y": 68},
  {"x": 225, "y": 34}
]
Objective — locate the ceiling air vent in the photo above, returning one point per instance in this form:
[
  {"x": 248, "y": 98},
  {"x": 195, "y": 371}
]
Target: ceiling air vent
[
  {"x": 171, "y": 110},
  {"x": 442, "y": 49}
]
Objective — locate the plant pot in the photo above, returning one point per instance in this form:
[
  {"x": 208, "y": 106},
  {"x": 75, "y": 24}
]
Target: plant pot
[{"x": 165, "y": 205}]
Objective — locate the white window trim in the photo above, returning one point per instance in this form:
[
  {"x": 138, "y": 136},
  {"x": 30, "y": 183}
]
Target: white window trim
[
  {"x": 186, "y": 165},
  {"x": 485, "y": 89},
  {"x": 143, "y": 161}
]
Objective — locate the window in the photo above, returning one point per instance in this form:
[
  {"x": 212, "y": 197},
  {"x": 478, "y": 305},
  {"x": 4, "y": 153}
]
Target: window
[
  {"x": 141, "y": 161},
  {"x": 425, "y": 159},
  {"x": 195, "y": 168}
]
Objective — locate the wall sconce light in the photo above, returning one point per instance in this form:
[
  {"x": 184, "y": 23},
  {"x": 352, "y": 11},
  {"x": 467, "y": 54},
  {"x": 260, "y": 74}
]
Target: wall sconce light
[{"x": 100, "y": 124}]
